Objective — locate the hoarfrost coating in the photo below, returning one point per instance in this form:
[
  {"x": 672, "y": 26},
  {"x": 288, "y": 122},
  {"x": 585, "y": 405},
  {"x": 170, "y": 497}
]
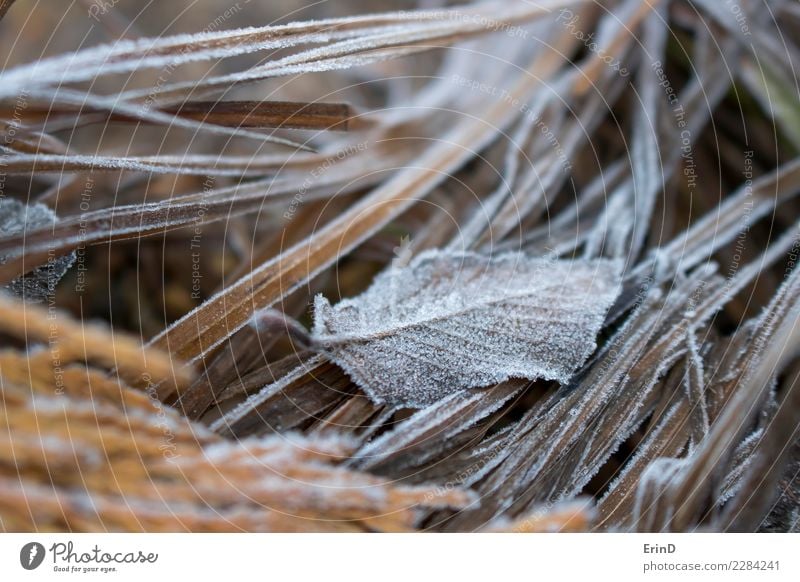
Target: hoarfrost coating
[{"x": 453, "y": 321}]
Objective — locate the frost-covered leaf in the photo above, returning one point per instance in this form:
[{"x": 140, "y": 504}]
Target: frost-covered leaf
[
  {"x": 452, "y": 321},
  {"x": 17, "y": 218}
]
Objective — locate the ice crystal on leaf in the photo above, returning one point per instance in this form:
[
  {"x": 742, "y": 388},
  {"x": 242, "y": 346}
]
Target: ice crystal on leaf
[{"x": 452, "y": 321}]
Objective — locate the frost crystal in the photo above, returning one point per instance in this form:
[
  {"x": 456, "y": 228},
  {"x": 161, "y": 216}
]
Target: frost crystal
[
  {"x": 453, "y": 321},
  {"x": 15, "y": 218}
]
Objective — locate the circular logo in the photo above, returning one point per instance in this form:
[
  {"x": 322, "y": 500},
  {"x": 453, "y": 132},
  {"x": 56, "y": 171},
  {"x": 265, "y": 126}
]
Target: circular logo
[{"x": 31, "y": 555}]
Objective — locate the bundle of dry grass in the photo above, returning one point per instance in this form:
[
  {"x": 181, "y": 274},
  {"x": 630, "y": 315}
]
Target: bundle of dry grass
[
  {"x": 566, "y": 231},
  {"x": 96, "y": 454}
]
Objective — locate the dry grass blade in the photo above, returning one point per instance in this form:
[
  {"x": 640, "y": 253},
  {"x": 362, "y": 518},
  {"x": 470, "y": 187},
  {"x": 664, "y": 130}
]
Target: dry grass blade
[
  {"x": 4, "y": 6},
  {"x": 198, "y": 165},
  {"x": 253, "y": 114},
  {"x": 205, "y": 328},
  {"x": 363, "y": 36},
  {"x": 121, "y": 222}
]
